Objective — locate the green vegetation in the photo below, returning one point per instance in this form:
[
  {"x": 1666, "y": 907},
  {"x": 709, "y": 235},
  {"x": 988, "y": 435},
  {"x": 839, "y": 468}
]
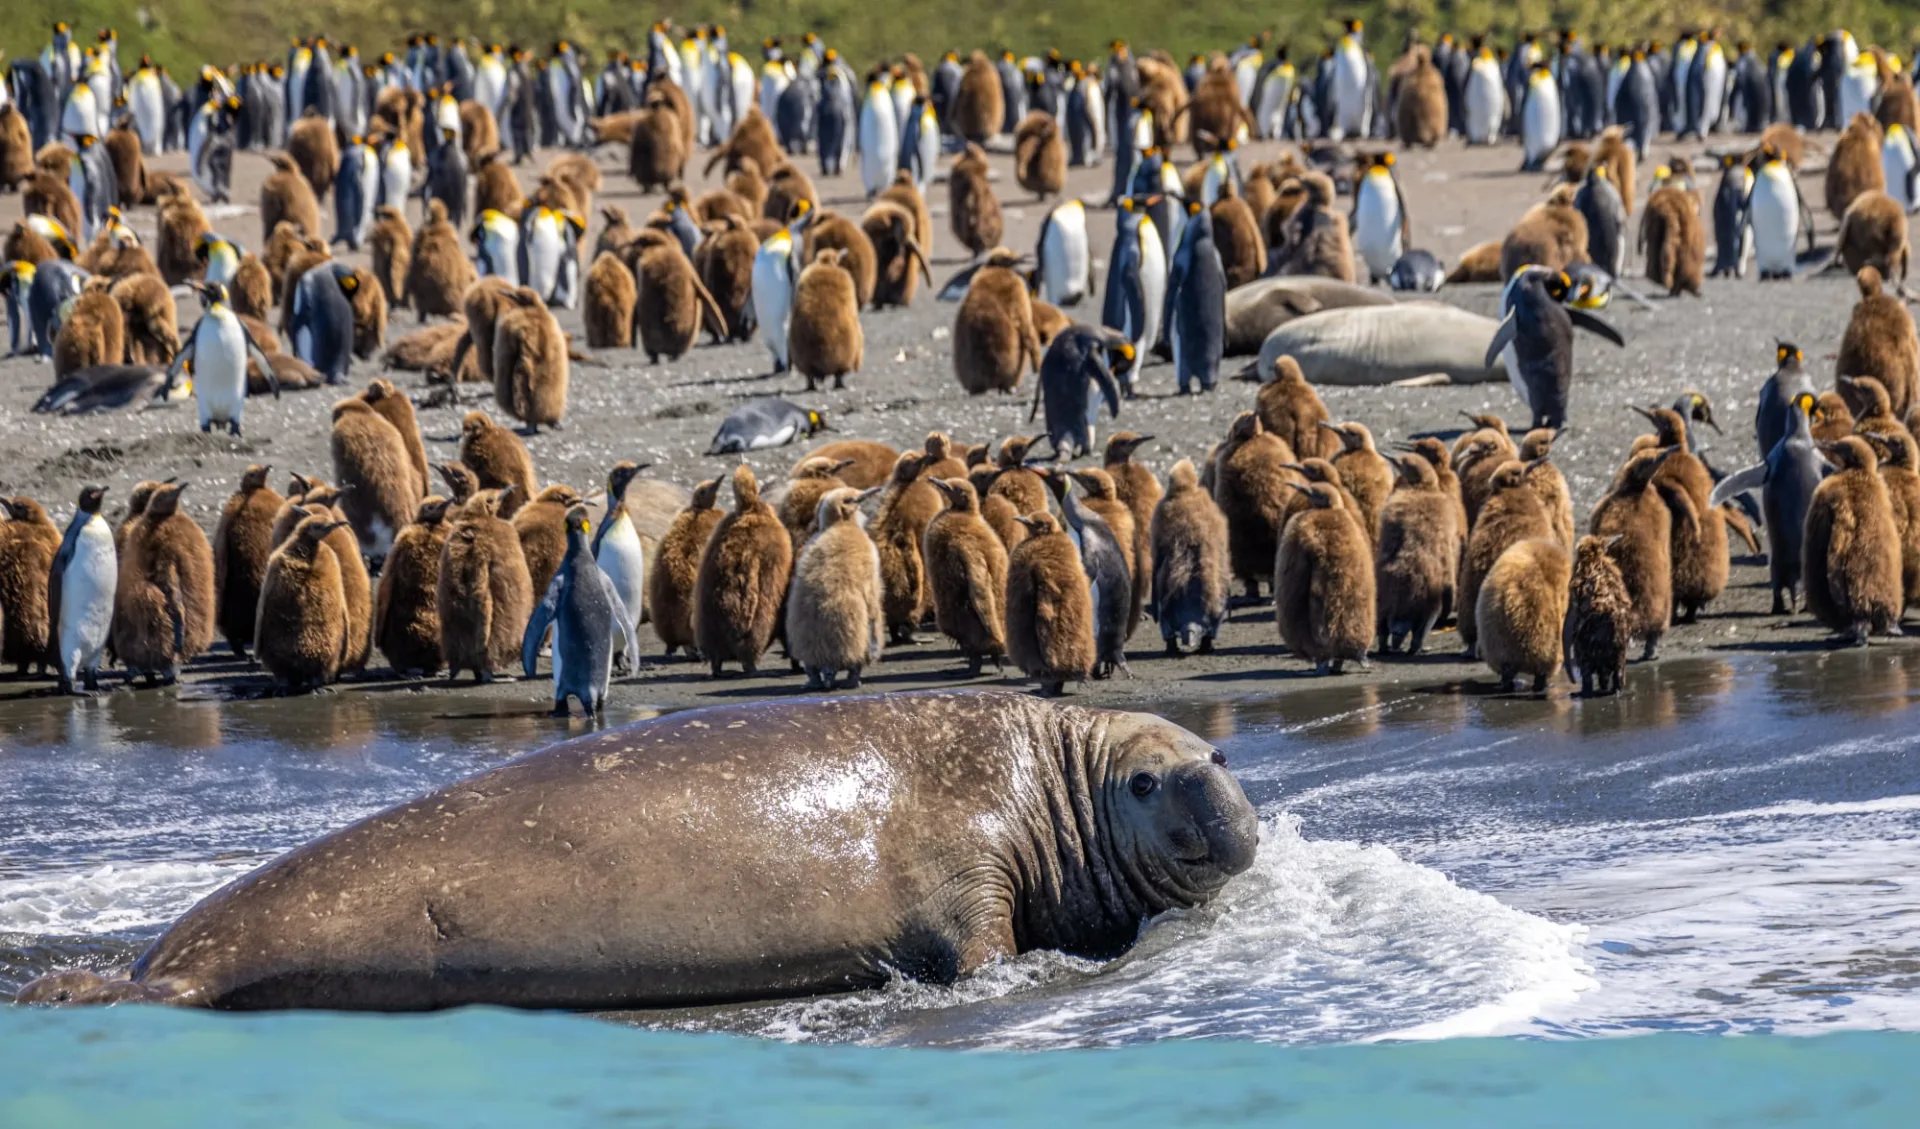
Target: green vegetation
[{"x": 184, "y": 33}]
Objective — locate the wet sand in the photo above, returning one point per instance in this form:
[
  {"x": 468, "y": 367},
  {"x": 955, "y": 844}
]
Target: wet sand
[{"x": 622, "y": 408}]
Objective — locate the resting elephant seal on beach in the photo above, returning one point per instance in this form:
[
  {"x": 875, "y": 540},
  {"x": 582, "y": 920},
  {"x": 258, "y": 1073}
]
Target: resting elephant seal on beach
[{"x": 733, "y": 853}]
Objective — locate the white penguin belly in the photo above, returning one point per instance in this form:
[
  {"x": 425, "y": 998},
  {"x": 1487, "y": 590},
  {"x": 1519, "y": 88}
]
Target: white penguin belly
[
  {"x": 544, "y": 251},
  {"x": 879, "y": 143},
  {"x": 220, "y": 369},
  {"x": 1486, "y": 104},
  {"x": 1541, "y": 125},
  {"x": 86, "y": 599},
  {"x": 1775, "y": 215},
  {"x": 623, "y": 561},
  {"x": 1350, "y": 100},
  {"x": 1153, "y": 288},
  {"x": 772, "y": 300},
  {"x": 1064, "y": 266},
  {"x": 149, "y": 113},
  {"x": 1377, "y": 225},
  {"x": 396, "y": 180},
  {"x": 1896, "y": 163}
]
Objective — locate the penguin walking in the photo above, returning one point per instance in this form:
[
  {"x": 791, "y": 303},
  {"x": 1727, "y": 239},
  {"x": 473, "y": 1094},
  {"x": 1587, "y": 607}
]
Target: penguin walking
[
  {"x": 1197, "y": 304},
  {"x": 80, "y": 591},
  {"x": 219, "y": 347},
  {"x": 1732, "y": 237},
  {"x": 320, "y": 322},
  {"x": 1078, "y": 363},
  {"x": 1773, "y": 214},
  {"x": 1540, "y": 327},
  {"x": 1786, "y": 478},
  {"x": 776, "y": 275},
  {"x": 765, "y": 421},
  {"x": 584, "y": 610},
  {"x": 1540, "y": 119},
  {"x": 1064, "y": 266},
  {"x": 1381, "y": 229},
  {"x": 619, "y": 553},
  {"x": 879, "y": 137},
  {"x": 1136, "y": 293}
]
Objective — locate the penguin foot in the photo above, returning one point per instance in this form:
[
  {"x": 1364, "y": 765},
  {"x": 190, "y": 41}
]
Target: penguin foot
[
  {"x": 1206, "y": 646},
  {"x": 1173, "y": 649},
  {"x": 560, "y": 709},
  {"x": 852, "y": 682}
]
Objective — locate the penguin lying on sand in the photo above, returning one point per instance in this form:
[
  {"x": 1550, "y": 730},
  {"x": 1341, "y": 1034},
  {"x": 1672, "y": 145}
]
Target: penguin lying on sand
[
  {"x": 766, "y": 421},
  {"x": 107, "y": 388}
]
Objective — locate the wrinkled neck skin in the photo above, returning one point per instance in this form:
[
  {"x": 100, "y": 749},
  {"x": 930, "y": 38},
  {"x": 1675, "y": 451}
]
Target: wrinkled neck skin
[{"x": 1083, "y": 878}]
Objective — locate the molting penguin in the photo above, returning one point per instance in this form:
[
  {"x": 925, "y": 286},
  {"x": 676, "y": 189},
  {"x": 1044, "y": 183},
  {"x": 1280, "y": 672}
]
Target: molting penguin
[
  {"x": 584, "y": 610},
  {"x": 834, "y": 621},
  {"x": 1540, "y": 328},
  {"x": 1079, "y": 362},
  {"x": 219, "y": 347},
  {"x": 80, "y": 591},
  {"x": 765, "y": 421}
]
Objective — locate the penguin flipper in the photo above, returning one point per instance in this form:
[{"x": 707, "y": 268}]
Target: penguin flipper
[
  {"x": 180, "y": 360},
  {"x": 1109, "y": 388},
  {"x": 629, "y": 641},
  {"x": 537, "y": 625},
  {"x": 255, "y": 352},
  {"x": 956, "y": 287},
  {"x": 1739, "y": 482},
  {"x": 1595, "y": 324},
  {"x": 1502, "y": 337}
]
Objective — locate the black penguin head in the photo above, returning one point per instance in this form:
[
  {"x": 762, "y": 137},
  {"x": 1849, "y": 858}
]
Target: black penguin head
[
  {"x": 577, "y": 523},
  {"x": 816, "y": 422},
  {"x": 1787, "y": 353},
  {"x": 1558, "y": 285},
  {"x": 90, "y": 499},
  {"x": 1806, "y": 405}
]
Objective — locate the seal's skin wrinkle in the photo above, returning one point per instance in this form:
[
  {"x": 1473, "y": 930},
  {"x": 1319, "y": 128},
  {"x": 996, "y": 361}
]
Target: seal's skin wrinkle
[{"x": 735, "y": 853}]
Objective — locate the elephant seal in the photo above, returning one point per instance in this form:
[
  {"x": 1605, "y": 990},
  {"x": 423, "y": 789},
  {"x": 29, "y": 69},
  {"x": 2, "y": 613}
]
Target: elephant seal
[
  {"x": 732, "y": 853},
  {"x": 1373, "y": 345},
  {"x": 1265, "y": 304}
]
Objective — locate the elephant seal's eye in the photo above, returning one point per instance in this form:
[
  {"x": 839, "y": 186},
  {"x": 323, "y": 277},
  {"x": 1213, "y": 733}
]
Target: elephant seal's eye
[
  {"x": 1143, "y": 784},
  {"x": 1220, "y": 758}
]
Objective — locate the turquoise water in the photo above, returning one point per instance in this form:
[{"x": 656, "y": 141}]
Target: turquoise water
[{"x": 158, "y": 1069}]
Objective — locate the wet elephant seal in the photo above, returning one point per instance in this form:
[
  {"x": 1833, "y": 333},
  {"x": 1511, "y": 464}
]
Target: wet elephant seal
[
  {"x": 733, "y": 853},
  {"x": 1265, "y": 304},
  {"x": 1374, "y": 345}
]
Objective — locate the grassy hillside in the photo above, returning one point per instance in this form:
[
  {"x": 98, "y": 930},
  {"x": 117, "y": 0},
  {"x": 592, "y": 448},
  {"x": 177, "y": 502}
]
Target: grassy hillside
[{"x": 183, "y": 33}]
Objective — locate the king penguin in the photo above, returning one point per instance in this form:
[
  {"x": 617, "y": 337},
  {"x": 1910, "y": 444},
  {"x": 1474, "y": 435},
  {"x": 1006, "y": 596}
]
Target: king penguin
[
  {"x": 1540, "y": 327},
  {"x": 1136, "y": 281},
  {"x": 1540, "y": 119},
  {"x": 1898, "y": 165},
  {"x": 1486, "y": 97},
  {"x": 619, "y": 553},
  {"x": 550, "y": 255},
  {"x": 320, "y": 323},
  {"x": 148, "y": 104},
  {"x": 1353, "y": 86},
  {"x": 1197, "y": 293},
  {"x": 1380, "y": 225},
  {"x": 879, "y": 136},
  {"x": 218, "y": 348},
  {"x": 920, "y": 144},
  {"x": 1078, "y": 363},
  {"x": 1773, "y": 415},
  {"x": 1606, "y": 215},
  {"x": 776, "y": 273},
  {"x": 80, "y": 594},
  {"x": 1773, "y": 214},
  {"x": 1732, "y": 238},
  {"x": 1105, "y": 564},
  {"x": 356, "y": 187},
  {"x": 396, "y": 173},
  {"x": 1786, "y": 478},
  {"x": 496, "y": 246},
  {"x": 1065, "y": 269},
  {"x": 584, "y": 611}
]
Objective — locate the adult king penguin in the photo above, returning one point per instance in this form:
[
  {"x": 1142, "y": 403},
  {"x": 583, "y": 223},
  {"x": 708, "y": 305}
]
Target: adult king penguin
[
  {"x": 1540, "y": 119},
  {"x": 879, "y": 137},
  {"x": 1540, "y": 328},
  {"x": 80, "y": 595},
  {"x": 550, "y": 254},
  {"x": 776, "y": 274},
  {"x": 584, "y": 611},
  {"x": 356, "y": 188},
  {"x": 1197, "y": 301},
  {"x": 218, "y": 349},
  {"x": 1136, "y": 281},
  {"x": 1773, "y": 214},
  {"x": 1381, "y": 229},
  {"x": 1486, "y": 96},
  {"x": 1786, "y": 479},
  {"x": 1353, "y": 86},
  {"x": 1064, "y": 267}
]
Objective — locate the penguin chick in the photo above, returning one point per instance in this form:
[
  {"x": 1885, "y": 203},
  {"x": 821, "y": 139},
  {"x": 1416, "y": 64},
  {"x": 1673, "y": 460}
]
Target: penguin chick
[
  {"x": 1039, "y": 155},
  {"x": 742, "y": 580},
  {"x": 1049, "y": 607},
  {"x": 1191, "y": 579},
  {"x": 671, "y": 303},
  {"x": 394, "y": 407},
  {"x": 1252, "y": 487},
  {"x": 497, "y": 458},
  {"x": 1417, "y": 559},
  {"x": 149, "y": 322},
  {"x": 1852, "y": 548},
  {"x": 585, "y": 612},
  {"x": 438, "y": 272},
  {"x": 899, "y": 528},
  {"x": 966, "y": 570},
  {"x": 286, "y": 195},
  {"x": 1642, "y": 516},
  {"x": 1873, "y": 233},
  {"x": 1366, "y": 475},
  {"x": 1854, "y": 166},
  {"x": 832, "y": 231},
  {"x": 863, "y": 463},
  {"x": 824, "y": 338},
  {"x": 1673, "y": 240},
  {"x": 834, "y": 620},
  {"x": 163, "y": 603},
  {"x": 1552, "y": 235},
  {"x": 726, "y": 270},
  {"x": 1323, "y": 593},
  {"x": 391, "y": 250},
  {"x": 1521, "y": 610},
  {"x": 1899, "y": 457},
  {"x": 302, "y": 625},
  {"x": 483, "y": 594},
  {"x": 1140, "y": 491},
  {"x": 29, "y": 541},
  {"x": 406, "y": 617},
  {"x": 1880, "y": 342},
  {"x": 1291, "y": 409},
  {"x": 972, "y": 209},
  {"x": 900, "y": 259},
  {"x": 481, "y": 307},
  {"x": 1599, "y": 619},
  {"x": 671, "y": 582},
  {"x": 92, "y": 332},
  {"x": 371, "y": 463},
  {"x": 994, "y": 338},
  {"x": 1832, "y": 419},
  {"x": 242, "y": 544},
  {"x": 1512, "y": 513},
  {"x": 530, "y": 361}
]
